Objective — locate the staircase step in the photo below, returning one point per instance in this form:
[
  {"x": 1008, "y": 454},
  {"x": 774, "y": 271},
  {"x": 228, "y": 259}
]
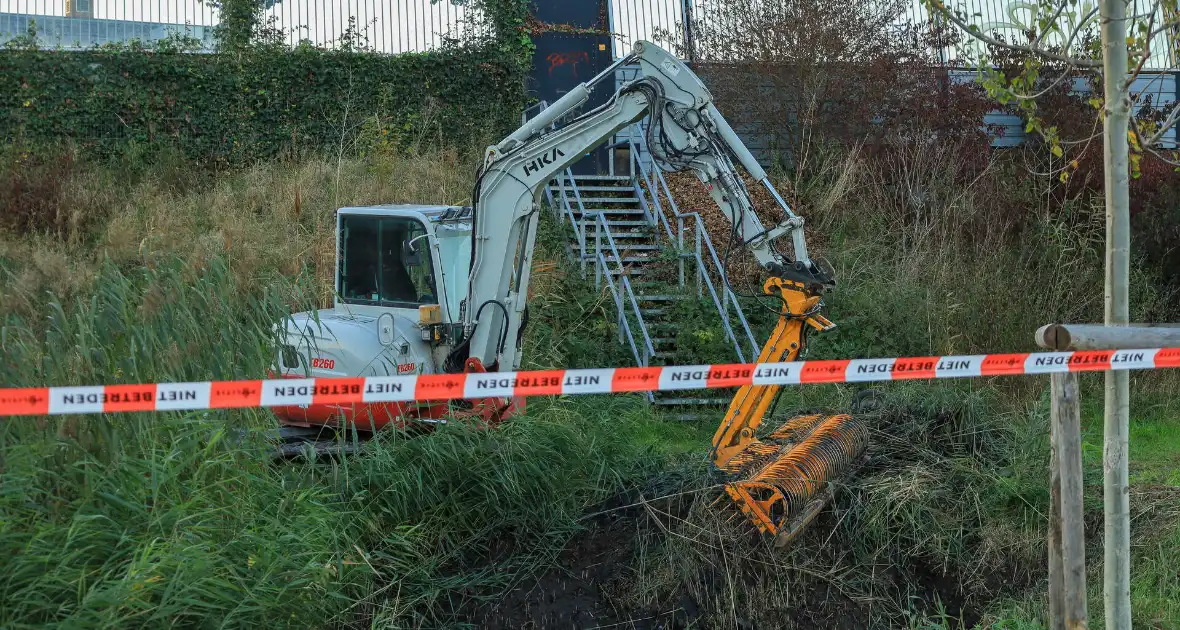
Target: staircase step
[
  {"x": 592, "y": 229},
  {"x": 658, "y": 298},
  {"x": 631, "y": 199},
  {"x": 597, "y": 178},
  {"x": 629, "y": 271},
  {"x": 583, "y": 189},
  {"x": 629, "y": 233},
  {"x": 621, "y": 223},
  {"x": 617, "y": 236},
  {"x": 633, "y": 247},
  {"x": 631, "y": 259},
  {"x": 608, "y": 212}
]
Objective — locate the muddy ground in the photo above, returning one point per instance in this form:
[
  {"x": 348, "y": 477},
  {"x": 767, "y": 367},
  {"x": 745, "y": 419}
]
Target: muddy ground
[{"x": 600, "y": 581}]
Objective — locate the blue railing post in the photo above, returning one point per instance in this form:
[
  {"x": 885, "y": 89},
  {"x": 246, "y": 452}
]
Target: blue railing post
[
  {"x": 680, "y": 248},
  {"x": 700, "y": 267},
  {"x": 598, "y": 269}
]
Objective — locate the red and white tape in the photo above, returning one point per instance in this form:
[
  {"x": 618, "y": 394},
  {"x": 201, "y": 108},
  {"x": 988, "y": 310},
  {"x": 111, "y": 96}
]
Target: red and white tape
[{"x": 434, "y": 387}]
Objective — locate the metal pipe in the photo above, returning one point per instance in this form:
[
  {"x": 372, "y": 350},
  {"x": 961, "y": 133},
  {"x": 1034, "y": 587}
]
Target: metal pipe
[
  {"x": 1100, "y": 337},
  {"x": 778, "y": 198},
  {"x": 562, "y": 106}
]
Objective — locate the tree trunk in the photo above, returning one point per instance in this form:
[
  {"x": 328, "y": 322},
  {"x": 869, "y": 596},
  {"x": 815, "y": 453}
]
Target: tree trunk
[{"x": 1117, "y": 564}]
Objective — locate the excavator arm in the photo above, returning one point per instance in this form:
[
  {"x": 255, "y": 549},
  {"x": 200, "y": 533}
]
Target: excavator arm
[
  {"x": 687, "y": 133},
  {"x": 779, "y": 481}
]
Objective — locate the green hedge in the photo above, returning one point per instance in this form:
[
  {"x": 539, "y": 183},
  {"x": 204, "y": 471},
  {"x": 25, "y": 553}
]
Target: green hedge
[{"x": 256, "y": 104}]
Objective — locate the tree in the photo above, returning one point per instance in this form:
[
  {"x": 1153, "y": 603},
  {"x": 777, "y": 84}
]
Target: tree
[
  {"x": 1110, "y": 42},
  {"x": 799, "y": 74}
]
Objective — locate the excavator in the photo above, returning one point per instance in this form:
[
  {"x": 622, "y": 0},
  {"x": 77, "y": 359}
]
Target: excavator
[{"x": 443, "y": 289}]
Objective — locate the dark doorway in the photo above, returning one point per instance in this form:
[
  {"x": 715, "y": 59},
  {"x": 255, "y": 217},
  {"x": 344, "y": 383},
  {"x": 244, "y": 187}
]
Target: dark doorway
[{"x": 561, "y": 62}]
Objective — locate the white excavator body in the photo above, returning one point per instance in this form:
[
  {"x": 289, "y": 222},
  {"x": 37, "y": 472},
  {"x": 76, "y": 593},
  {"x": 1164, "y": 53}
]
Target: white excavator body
[{"x": 400, "y": 283}]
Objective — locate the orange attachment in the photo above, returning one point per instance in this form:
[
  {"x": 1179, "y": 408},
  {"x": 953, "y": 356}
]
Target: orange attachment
[
  {"x": 783, "y": 481},
  {"x": 792, "y": 484}
]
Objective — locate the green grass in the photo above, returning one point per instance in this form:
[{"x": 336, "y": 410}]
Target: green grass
[
  {"x": 143, "y": 520},
  {"x": 1154, "y": 439},
  {"x": 135, "y": 520}
]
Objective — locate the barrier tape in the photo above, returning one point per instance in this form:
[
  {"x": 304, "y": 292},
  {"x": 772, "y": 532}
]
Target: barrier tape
[{"x": 436, "y": 387}]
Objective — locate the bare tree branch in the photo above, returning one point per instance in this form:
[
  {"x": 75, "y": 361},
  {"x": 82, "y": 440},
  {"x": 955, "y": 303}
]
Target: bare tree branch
[
  {"x": 1165, "y": 160},
  {"x": 1053, "y": 20},
  {"x": 1143, "y": 57},
  {"x": 1165, "y": 126},
  {"x": 1095, "y": 133},
  {"x": 1066, "y": 74},
  {"x": 1164, "y": 26},
  {"x": 987, "y": 39}
]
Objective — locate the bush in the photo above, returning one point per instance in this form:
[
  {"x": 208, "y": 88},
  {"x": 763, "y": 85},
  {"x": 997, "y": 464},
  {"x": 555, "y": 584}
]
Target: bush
[
  {"x": 798, "y": 73},
  {"x": 254, "y": 105}
]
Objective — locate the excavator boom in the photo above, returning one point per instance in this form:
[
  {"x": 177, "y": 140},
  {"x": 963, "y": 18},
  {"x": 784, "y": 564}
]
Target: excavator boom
[
  {"x": 779, "y": 481},
  {"x": 776, "y": 480},
  {"x": 464, "y": 306}
]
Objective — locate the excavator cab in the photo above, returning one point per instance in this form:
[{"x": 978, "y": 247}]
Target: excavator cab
[{"x": 379, "y": 264}]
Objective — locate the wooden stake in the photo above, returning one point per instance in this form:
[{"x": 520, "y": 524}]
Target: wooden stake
[
  {"x": 1056, "y": 568},
  {"x": 1067, "y": 433}
]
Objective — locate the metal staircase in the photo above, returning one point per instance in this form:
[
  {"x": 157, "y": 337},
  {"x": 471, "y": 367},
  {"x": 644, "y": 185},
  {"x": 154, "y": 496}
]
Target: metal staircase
[{"x": 627, "y": 230}]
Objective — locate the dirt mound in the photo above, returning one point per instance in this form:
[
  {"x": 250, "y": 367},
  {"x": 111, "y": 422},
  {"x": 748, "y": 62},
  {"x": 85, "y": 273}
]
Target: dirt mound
[{"x": 676, "y": 563}]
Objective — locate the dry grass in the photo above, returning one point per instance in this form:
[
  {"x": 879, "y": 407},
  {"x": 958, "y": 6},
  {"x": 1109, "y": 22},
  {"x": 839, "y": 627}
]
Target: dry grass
[{"x": 266, "y": 220}]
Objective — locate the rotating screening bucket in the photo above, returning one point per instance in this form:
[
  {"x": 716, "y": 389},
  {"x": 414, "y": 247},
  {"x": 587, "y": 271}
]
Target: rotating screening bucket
[{"x": 783, "y": 481}]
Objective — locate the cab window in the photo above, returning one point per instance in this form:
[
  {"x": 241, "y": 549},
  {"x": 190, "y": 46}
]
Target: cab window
[{"x": 385, "y": 261}]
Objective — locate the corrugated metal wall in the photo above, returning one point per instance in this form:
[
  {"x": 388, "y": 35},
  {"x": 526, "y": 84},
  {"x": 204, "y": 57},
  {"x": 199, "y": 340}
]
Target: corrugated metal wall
[{"x": 1162, "y": 87}]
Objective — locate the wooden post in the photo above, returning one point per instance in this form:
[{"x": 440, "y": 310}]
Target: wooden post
[
  {"x": 1056, "y": 568},
  {"x": 1067, "y": 431},
  {"x": 1099, "y": 337},
  {"x": 1117, "y": 545}
]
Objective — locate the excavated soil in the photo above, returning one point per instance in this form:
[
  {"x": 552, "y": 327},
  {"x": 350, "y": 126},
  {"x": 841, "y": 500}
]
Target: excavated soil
[{"x": 590, "y": 583}]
